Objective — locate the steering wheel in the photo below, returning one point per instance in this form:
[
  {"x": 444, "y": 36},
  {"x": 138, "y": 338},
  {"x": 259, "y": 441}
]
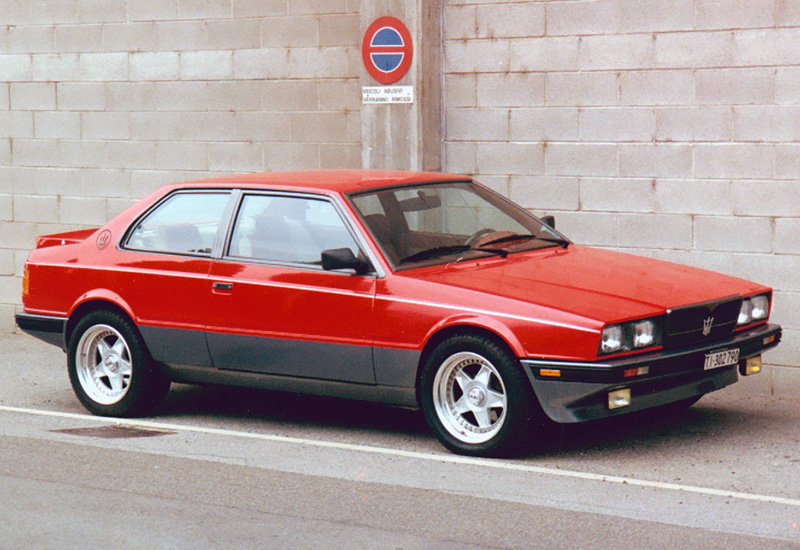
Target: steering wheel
[{"x": 477, "y": 235}]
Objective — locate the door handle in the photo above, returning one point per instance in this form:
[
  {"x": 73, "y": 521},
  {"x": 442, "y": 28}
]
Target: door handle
[{"x": 218, "y": 285}]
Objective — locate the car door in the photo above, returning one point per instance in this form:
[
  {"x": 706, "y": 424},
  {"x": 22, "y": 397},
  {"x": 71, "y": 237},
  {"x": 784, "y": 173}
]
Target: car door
[{"x": 274, "y": 310}]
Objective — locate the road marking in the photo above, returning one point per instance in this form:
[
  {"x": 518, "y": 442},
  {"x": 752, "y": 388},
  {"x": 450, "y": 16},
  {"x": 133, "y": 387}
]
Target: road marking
[{"x": 449, "y": 458}]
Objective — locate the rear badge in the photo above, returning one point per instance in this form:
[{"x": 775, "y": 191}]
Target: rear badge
[{"x": 103, "y": 239}]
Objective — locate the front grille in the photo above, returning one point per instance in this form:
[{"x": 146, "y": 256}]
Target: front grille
[{"x": 700, "y": 323}]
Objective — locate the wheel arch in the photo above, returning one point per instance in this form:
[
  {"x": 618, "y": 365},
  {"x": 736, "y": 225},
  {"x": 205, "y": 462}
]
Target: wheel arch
[{"x": 90, "y": 305}]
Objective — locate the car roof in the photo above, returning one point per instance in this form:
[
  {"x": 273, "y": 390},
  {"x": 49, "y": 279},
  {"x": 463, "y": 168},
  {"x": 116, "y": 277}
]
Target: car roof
[{"x": 338, "y": 181}]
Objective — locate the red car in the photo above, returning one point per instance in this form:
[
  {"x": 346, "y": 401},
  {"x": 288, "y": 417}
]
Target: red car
[{"x": 416, "y": 289}]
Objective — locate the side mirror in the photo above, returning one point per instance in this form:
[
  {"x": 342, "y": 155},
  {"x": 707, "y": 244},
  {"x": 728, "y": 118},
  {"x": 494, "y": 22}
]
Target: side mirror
[
  {"x": 549, "y": 221},
  {"x": 343, "y": 258}
]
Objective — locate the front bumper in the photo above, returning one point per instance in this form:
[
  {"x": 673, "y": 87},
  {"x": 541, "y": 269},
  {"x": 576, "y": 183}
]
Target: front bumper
[{"x": 580, "y": 392}]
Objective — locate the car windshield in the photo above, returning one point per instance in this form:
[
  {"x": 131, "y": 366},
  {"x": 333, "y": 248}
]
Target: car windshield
[{"x": 445, "y": 222}]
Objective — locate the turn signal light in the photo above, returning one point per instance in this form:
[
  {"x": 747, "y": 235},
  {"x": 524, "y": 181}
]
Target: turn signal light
[
  {"x": 26, "y": 282},
  {"x": 550, "y": 373}
]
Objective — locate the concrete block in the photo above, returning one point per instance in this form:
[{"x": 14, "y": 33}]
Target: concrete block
[
  {"x": 734, "y": 160},
  {"x": 460, "y": 90},
  {"x": 55, "y": 124},
  {"x": 132, "y": 155},
  {"x": 16, "y": 124},
  {"x": 477, "y": 56},
  {"x": 17, "y": 13},
  {"x": 766, "y": 198},
  {"x": 180, "y": 96},
  {"x": 735, "y": 86},
  {"x": 33, "y": 208},
  {"x": 787, "y": 85},
  {"x": 19, "y": 235},
  {"x": 693, "y": 50},
  {"x": 340, "y": 155},
  {"x": 129, "y": 37},
  {"x": 5, "y": 154},
  {"x": 205, "y": 9},
  {"x": 786, "y": 309},
  {"x": 6, "y": 209},
  {"x": 787, "y": 161},
  {"x": 236, "y": 157},
  {"x": 101, "y": 11},
  {"x": 44, "y": 12},
  {"x": 510, "y": 158},
  {"x": 334, "y": 95},
  {"x": 510, "y": 20},
  {"x": 52, "y": 181},
  {"x": 476, "y": 124},
  {"x": 655, "y": 160},
  {"x": 582, "y": 18},
  {"x": 766, "y": 47},
  {"x": 734, "y": 14},
  {"x": 543, "y": 193},
  {"x": 10, "y": 289},
  {"x": 206, "y": 65},
  {"x": 703, "y": 123},
  {"x": 234, "y": 95},
  {"x": 545, "y": 124},
  {"x": 81, "y": 96},
  {"x": 108, "y": 125},
  {"x": 693, "y": 197},
  {"x": 32, "y": 152},
  {"x": 320, "y": 7},
  {"x": 259, "y": 8},
  {"x": 617, "y": 195},
  {"x": 184, "y": 155},
  {"x": 666, "y": 87},
  {"x": 589, "y": 228},
  {"x": 787, "y": 236},
  {"x": 655, "y": 15},
  {"x": 130, "y": 96},
  {"x": 617, "y": 52},
  {"x": 83, "y": 210},
  {"x": 103, "y": 66},
  {"x": 106, "y": 183},
  {"x": 582, "y": 89},
  {"x": 234, "y": 34},
  {"x": 655, "y": 231},
  {"x": 766, "y": 123},
  {"x": 292, "y": 95},
  {"x": 462, "y": 22},
  {"x": 294, "y": 32},
  {"x": 191, "y": 126},
  {"x": 617, "y": 124},
  {"x": 733, "y": 234},
  {"x": 788, "y": 13},
  {"x": 5, "y": 103},
  {"x": 260, "y": 126},
  {"x": 545, "y": 54},
  {"x": 291, "y": 156},
  {"x": 580, "y": 159},
  {"x": 177, "y": 36},
  {"x": 328, "y": 127},
  {"x": 497, "y": 183},
  {"x": 786, "y": 268},
  {"x": 152, "y": 10},
  {"x": 144, "y": 182},
  {"x": 81, "y": 154},
  {"x": 6, "y": 262},
  {"x": 339, "y": 30},
  {"x": 510, "y": 90},
  {"x": 55, "y": 67},
  {"x": 79, "y": 38},
  {"x": 34, "y": 96},
  {"x": 116, "y": 207},
  {"x": 279, "y": 63},
  {"x": 460, "y": 157},
  {"x": 16, "y": 67},
  {"x": 29, "y": 39},
  {"x": 155, "y": 66}
]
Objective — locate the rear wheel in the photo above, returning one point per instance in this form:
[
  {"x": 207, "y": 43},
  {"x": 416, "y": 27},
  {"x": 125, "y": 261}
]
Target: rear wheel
[
  {"x": 110, "y": 368},
  {"x": 476, "y": 399}
]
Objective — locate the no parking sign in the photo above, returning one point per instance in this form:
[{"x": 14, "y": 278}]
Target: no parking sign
[{"x": 387, "y": 50}]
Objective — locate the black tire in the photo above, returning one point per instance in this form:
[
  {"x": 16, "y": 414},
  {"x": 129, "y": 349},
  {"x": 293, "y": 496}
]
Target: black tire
[
  {"x": 477, "y": 400},
  {"x": 110, "y": 368}
]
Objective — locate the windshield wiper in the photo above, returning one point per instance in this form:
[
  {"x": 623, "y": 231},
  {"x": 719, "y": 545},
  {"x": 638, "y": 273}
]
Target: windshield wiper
[
  {"x": 519, "y": 236},
  {"x": 445, "y": 250}
]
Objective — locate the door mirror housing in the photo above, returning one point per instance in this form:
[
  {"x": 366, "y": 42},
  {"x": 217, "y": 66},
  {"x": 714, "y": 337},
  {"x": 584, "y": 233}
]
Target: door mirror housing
[
  {"x": 550, "y": 221},
  {"x": 343, "y": 258}
]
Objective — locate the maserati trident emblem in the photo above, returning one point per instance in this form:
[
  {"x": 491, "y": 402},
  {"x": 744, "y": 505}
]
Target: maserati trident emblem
[{"x": 708, "y": 322}]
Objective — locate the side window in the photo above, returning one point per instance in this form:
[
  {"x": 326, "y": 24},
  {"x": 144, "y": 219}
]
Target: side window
[
  {"x": 288, "y": 229},
  {"x": 185, "y": 223}
]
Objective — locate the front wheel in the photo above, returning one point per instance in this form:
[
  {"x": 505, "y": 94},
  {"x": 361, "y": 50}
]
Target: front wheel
[
  {"x": 476, "y": 399},
  {"x": 110, "y": 368}
]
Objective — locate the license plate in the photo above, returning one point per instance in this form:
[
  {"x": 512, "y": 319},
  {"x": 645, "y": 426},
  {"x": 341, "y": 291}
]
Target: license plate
[{"x": 721, "y": 359}]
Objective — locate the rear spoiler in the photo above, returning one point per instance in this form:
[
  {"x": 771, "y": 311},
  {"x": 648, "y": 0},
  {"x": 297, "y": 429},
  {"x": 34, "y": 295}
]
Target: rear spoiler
[{"x": 60, "y": 239}]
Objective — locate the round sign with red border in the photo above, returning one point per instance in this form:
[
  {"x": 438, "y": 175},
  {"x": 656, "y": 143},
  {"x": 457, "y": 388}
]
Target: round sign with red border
[{"x": 387, "y": 50}]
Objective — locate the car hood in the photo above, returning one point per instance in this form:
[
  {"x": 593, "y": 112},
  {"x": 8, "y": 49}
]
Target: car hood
[{"x": 598, "y": 284}]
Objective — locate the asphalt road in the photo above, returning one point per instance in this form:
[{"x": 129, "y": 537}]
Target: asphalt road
[{"x": 227, "y": 468}]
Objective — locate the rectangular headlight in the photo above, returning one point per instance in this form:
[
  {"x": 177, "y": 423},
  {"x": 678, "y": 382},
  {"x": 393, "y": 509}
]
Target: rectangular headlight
[
  {"x": 611, "y": 340},
  {"x": 753, "y": 309},
  {"x": 644, "y": 334},
  {"x": 633, "y": 335}
]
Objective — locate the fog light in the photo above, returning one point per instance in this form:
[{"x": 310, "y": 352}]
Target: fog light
[
  {"x": 619, "y": 398},
  {"x": 753, "y": 365}
]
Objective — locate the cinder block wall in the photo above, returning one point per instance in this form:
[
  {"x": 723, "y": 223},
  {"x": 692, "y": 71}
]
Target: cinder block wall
[
  {"x": 102, "y": 101},
  {"x": 668, "y": 128}
]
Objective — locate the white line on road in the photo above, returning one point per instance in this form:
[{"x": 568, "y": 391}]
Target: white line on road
[{"x": 453, "y": 459}]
